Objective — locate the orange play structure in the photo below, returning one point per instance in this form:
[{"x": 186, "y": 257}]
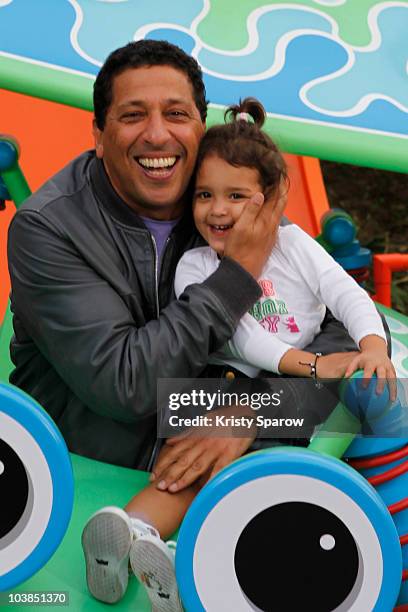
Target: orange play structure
[{"x": 51, "y": 134}]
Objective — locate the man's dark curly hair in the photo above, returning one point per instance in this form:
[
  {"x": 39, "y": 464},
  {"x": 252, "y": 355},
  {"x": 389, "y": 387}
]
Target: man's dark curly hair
[{"x": 145, "y": 53}]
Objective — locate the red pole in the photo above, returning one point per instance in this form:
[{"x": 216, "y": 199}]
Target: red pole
[{"x": 383, "y": 266}]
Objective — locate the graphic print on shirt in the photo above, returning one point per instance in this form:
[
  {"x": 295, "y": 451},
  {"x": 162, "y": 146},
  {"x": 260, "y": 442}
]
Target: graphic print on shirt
[
  {"x": 268, "y": 310},
  {"x": 291, "y": 325},
  {"x": 267, "y": 287},
  {"x": 270, "y": 323}
]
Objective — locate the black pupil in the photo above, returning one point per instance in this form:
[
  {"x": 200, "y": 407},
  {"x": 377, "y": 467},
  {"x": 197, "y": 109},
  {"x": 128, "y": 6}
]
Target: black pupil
[
  {"x": 14, "y": 488},
  {"x": 283, "y": 562}
]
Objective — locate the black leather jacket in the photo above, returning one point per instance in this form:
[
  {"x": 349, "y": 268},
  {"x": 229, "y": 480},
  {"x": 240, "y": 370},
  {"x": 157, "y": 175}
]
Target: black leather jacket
[{"x": 89, "y": 343}]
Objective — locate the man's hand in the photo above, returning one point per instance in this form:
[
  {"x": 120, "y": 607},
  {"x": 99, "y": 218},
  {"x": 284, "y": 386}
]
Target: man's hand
[
  {"x": 187, "y": 458},
  {"x": 253, "y": 236}
]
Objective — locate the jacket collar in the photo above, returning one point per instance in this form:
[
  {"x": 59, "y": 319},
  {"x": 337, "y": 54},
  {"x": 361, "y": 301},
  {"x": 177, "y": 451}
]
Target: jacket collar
[{"x": 118, "y": 209}]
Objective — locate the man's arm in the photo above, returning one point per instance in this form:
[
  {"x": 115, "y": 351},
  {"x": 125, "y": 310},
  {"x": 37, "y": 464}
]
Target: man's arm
[{"x": 84, "y": 328}]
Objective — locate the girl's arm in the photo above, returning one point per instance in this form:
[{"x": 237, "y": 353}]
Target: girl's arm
[
  {"x": 255, "y": 345},
  {"x": 251, "y": 343},
  {"x": 327, "y": 366},
  {"x": 351, "y": 305},
  {"x": 333, "y": 287}
]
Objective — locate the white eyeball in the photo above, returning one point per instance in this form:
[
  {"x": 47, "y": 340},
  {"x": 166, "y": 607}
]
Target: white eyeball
[{"x": 288, "y": 531}]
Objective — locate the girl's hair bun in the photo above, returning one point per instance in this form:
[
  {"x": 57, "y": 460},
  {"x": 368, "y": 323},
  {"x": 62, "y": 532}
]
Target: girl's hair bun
[
  {"x": 248, "y": 107},
  {"x": 240, "y": 141}
]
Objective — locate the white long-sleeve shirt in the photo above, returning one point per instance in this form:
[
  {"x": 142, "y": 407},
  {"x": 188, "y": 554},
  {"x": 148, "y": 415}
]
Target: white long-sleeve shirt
[{"x": 298, "y": 281}]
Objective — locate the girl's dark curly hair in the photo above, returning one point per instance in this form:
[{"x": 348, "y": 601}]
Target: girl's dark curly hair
[{"x": 242, "y": 142}]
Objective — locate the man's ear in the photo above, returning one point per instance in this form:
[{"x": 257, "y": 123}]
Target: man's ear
[{"x": 98, "y": 138}]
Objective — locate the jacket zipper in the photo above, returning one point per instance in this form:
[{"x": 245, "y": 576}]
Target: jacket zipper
[
  {"x": 156, "y": 275},
  {"x": 158, "y": 443},
  {"x": 156, "y": 269}
]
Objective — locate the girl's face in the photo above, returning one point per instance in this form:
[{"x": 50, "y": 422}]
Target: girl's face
[{"x": 221, "y": 192}]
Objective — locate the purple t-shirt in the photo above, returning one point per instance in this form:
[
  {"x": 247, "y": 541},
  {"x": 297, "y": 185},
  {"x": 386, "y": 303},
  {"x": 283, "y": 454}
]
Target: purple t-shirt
[{"x": 160, "y": 230}]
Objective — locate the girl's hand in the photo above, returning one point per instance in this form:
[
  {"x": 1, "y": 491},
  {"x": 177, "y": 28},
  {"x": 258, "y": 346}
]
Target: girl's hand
[
  {"x": 373, "y": 359},
  {"x": 375, "y": 362},
  {"x": 334, "y": 365}
]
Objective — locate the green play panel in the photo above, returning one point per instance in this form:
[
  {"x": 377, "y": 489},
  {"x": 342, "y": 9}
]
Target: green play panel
[{"x": 96, "y": 485}]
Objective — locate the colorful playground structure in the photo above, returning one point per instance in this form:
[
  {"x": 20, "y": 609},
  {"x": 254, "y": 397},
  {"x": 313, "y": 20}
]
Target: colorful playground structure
[{"x": 312, "y": 67}]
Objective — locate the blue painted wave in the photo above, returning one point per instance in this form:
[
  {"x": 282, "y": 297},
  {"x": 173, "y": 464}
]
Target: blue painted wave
[
  {"x": 307, "y": 58},
  {"x": 25, "y": 30},
  {"x": 105, "y": 29},
  {"x": 383, "y": 71},
  {"x": 271, "y": 27}
]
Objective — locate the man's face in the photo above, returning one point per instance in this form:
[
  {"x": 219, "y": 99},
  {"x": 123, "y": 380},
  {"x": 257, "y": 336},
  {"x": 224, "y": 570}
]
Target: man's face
[{"x": 150, "y": 139}]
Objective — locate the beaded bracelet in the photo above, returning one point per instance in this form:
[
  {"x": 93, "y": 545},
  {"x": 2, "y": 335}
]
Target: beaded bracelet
[{"x": 312, "y": 366}]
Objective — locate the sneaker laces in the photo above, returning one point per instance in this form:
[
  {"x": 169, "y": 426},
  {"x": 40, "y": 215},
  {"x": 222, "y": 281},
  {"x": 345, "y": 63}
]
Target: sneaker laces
[
  {"x": 172, "y": 545},
  {"x": 140, "y": 528}
]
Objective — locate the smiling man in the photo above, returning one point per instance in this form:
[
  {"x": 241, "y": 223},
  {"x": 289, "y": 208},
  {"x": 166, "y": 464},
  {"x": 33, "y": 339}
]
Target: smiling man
[{"x": 92, "y": 257}]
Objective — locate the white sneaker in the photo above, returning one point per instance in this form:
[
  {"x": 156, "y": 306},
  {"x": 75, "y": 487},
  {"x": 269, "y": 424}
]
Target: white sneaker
[
  {"x": 106, "y": 540},
  {"x": 152, "y": 562}
]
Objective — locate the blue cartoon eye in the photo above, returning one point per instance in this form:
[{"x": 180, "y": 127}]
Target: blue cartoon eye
[
  {"x": 299, "y": 531},
  {"x": 36, "y": 487}
]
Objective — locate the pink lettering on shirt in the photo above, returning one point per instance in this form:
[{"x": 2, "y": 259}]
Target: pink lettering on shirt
[
  {"x": 267, "y": 287},
  {"x": 270, "y": 323}
]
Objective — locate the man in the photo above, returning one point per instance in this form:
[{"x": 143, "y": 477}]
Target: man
[{"x": 92, "y": 257}]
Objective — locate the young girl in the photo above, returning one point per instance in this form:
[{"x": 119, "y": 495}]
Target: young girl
[{"x": 236, "y": 161}]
